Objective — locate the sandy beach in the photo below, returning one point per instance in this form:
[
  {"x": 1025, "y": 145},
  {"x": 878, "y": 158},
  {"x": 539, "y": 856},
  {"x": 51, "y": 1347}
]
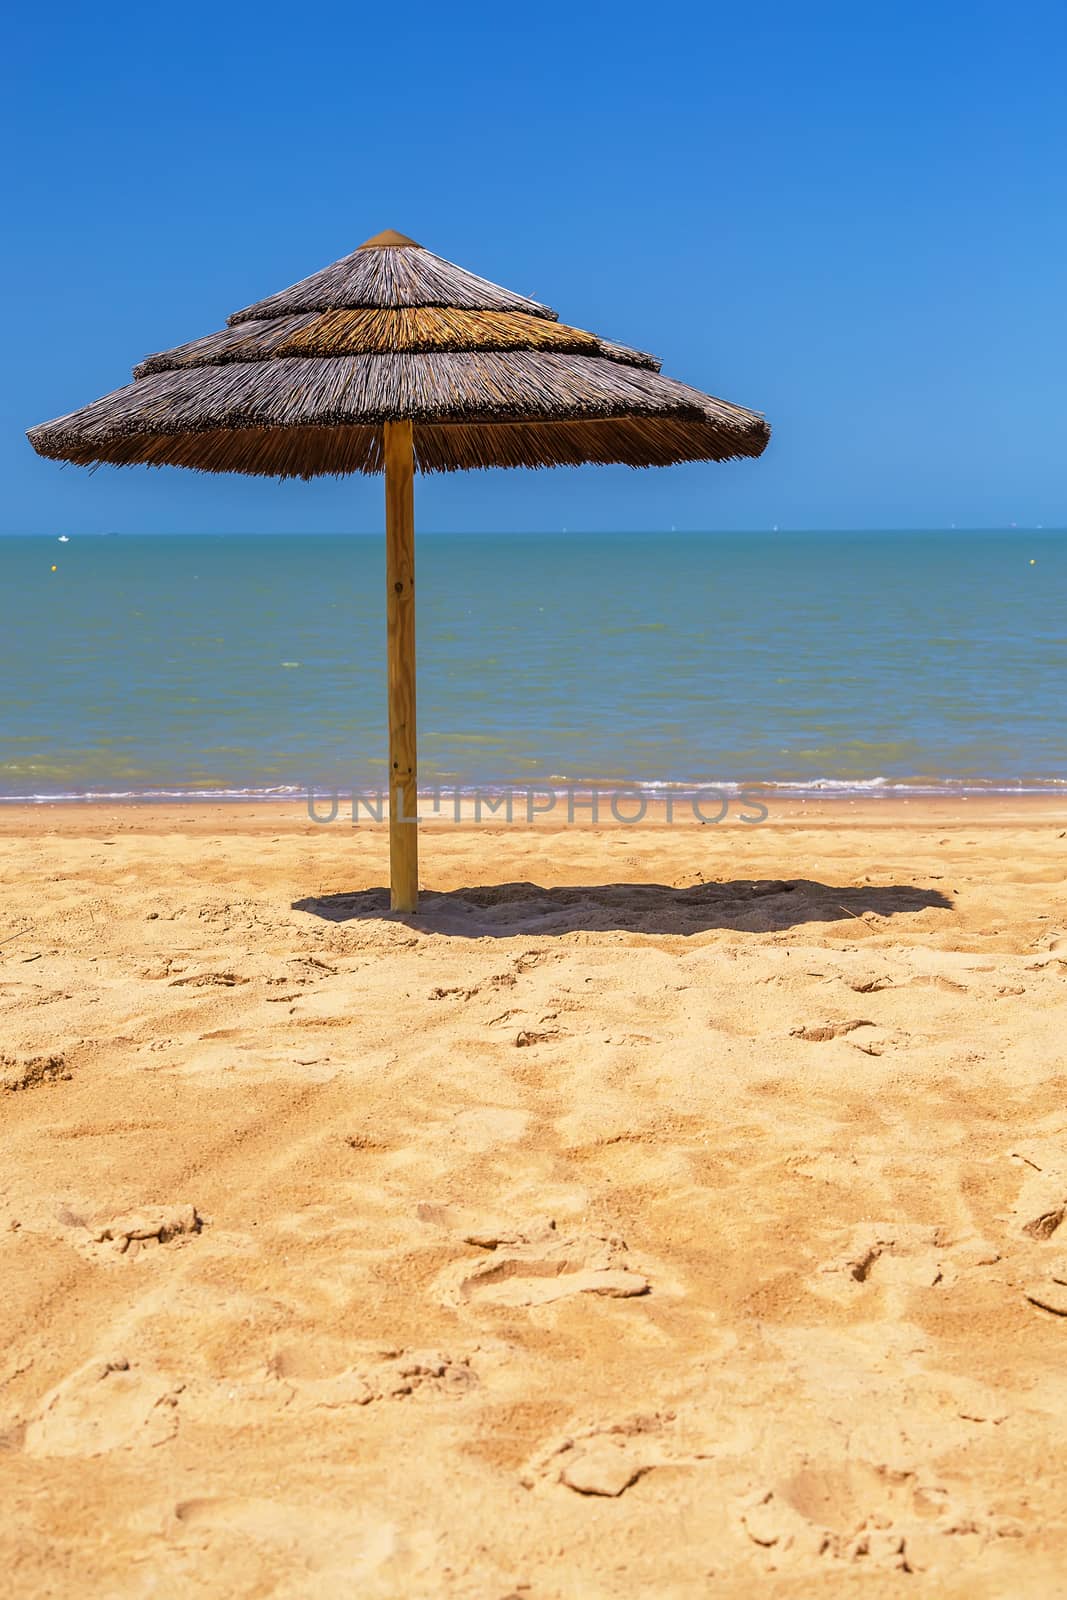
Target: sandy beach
[{"x": 666, "y": 1211}]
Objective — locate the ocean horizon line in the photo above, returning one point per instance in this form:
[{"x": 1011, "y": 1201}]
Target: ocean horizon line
[{"x": 780, "y": 531}]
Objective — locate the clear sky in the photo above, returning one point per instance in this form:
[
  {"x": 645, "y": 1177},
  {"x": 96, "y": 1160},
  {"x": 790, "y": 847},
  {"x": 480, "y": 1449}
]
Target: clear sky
[{"x": 852, "y": 217}]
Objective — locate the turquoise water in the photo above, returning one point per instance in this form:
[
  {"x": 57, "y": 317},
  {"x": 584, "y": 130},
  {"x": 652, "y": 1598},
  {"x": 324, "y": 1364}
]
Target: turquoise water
[{"x": 245, "y": 665}]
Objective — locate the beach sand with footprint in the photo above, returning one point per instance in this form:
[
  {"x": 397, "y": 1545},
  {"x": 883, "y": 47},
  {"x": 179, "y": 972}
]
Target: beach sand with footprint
[{"x": 666, "y": 1211}]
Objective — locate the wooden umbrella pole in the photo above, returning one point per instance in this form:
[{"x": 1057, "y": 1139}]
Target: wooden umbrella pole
[{"x": 400, "y": 643}]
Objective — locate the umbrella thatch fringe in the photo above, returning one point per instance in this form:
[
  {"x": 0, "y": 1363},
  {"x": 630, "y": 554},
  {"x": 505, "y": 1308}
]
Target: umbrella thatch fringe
[
  {"x": 419, "y": 329},
  {"x": 391, "y": 277},
  {"x": 310, "y": 452},
  {"x": 451, "y": 386}
]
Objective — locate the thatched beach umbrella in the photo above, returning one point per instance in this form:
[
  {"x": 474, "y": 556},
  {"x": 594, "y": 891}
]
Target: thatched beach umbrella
[{"x": 394, "y": 358}]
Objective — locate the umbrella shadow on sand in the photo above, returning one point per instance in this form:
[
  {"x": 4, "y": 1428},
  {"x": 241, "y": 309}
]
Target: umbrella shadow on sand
[{"x": 746, "y": 904}]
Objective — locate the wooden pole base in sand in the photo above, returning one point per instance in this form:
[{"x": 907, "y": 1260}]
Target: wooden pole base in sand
[{"x": 400, "y": 645}]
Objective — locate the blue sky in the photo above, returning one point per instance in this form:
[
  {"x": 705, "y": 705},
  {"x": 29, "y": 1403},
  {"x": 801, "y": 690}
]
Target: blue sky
[{"x": 851, "y": 217}]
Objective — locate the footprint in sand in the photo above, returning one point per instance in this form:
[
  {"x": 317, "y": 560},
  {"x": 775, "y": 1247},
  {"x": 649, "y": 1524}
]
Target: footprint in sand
[
  {"x": 860, "y": 1513},
  {"x": 110, "y": 1405},
  {"x": 322, "y": 1540},
  {"x": 886, "y": 1254},
  {"x": 538, "y": 1267},
  {"x": 26, "y": 1072},
  {"x": 859, "y": 1033},
  {"x": 529, "y": 959},
  {"x": 306, "y": 969},
  {"x": 606, "y": 1459},
  {"x": 822, "y": 1032},
  {"x": 320, "y": 1378},
  {"x": 128, "y": 1235},
  {"x": 105, "y": 1405}
]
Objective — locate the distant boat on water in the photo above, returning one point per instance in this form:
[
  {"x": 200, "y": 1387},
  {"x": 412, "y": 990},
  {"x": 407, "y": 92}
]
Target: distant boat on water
[{"x": 63, "y": 539}]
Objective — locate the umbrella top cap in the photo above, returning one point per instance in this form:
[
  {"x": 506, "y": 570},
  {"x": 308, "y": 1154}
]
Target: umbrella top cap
[{"x": 390, "y": 238}]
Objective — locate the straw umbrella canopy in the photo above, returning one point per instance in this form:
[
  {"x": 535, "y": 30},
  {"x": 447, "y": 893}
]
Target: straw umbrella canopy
[{"x": 395, "y": 360}]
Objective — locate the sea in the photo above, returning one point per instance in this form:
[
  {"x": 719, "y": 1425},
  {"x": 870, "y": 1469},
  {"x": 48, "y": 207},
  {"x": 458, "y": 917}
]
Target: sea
[{"x": 252, "y": 666}]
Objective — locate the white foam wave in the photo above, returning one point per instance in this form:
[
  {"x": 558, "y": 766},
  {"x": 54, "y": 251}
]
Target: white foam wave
[{"x": 561, "y": 786}]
